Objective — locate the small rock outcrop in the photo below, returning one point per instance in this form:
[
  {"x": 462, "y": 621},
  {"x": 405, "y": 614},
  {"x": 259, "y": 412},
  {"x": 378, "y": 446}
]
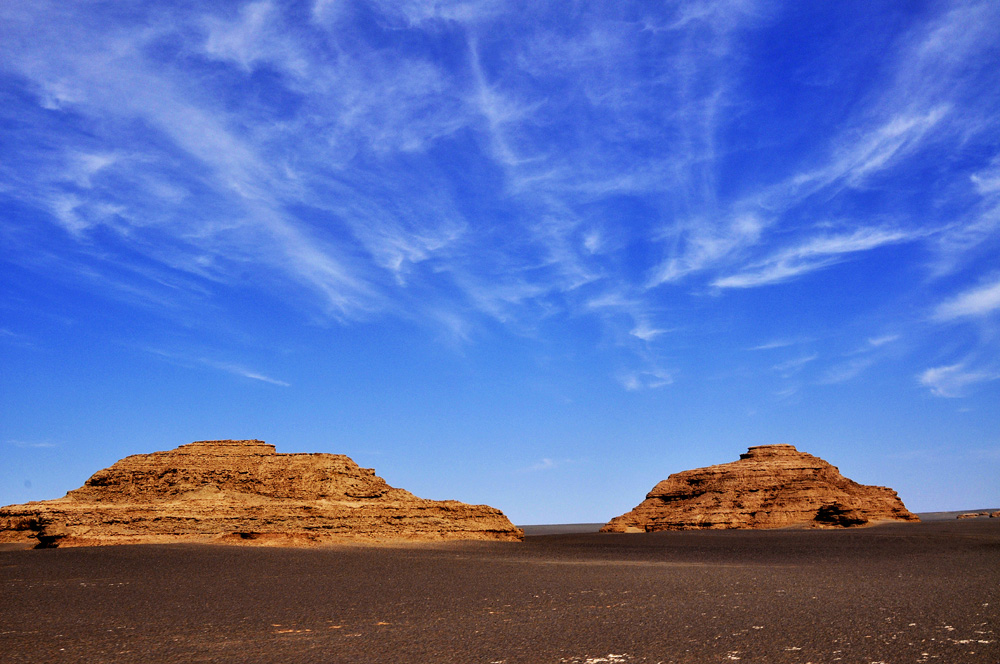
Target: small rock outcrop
[
  {"x": 976, "y": 515},
  {"x": 243, "y": 492},
  {"x": 771, "y": 486}
]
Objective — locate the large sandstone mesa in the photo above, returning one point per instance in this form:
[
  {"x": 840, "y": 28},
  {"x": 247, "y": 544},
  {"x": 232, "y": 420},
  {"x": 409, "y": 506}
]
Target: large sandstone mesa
[
  {"x": 242, "y": 491},
  {"x": 771, "y": 486}
]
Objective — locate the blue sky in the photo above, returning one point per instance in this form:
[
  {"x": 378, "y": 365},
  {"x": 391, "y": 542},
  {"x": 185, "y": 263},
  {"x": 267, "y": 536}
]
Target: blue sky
[{"x": 533, "y": 255}]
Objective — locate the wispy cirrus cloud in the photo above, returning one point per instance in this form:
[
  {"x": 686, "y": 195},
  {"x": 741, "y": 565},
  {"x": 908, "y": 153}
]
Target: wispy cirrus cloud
[
  {"x": 982, "y": 300},
  {"x": 779, "y": 343},
  {"x": 546, "y": 464},
  {"x": 876, "y": 342},
  {"x": 612, "y": 163},
  {"x": 915, "y": 111},
  {"x": 647, "y": 379},
  {"x": 855, "y": 158},
  {"x": 987, "y": 181},
  {"x": 976, "y": 232},
  {"x": 844, "y": 371},
  {"x": 121, "y": 86},
  {"x": 26, "y": 444},
  {"x": 239, "y": 370},
  {"x": 791, "y": 367},
  {"x": 256, "y": 36},
  {"x": 15, "y": 338},
  {"x": 233, "y": 368},
  {"x": 814, "y": 254},
  {"x": 979, "y": 365},
  {"x": 643, "y": 330},
  {"x": 852, "y": 364},
  {"x": 707, "y": 245},
  {"x": 952, "y": 380},
  {"x": 858, "y": 155}
]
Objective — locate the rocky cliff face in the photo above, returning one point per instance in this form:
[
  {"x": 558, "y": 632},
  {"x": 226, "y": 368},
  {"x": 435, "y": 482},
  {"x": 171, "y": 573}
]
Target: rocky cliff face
[
  {"x": 771, "y": 486},
  {"x": 242, "y": 491}
]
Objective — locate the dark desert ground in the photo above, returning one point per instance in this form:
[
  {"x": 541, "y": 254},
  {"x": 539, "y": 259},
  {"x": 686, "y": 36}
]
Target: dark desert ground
[{"x": 925, "y": 592}]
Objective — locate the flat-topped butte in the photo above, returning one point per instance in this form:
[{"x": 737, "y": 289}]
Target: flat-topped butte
[
  {"x": 771, "y": 486},
  {"x": 243, "y": 491}
]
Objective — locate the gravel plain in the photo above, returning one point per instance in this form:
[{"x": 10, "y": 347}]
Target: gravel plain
[{"x": 895, "y": 593}]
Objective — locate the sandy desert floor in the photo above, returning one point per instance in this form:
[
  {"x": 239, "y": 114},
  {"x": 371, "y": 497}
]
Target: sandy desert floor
[{"x": 926, "y": 592}]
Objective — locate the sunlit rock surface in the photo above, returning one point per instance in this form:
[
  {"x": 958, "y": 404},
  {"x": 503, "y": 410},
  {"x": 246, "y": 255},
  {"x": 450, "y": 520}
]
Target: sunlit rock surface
[
  {"x": 771, "y": 486},
  {"x": 243, "y": 491}
]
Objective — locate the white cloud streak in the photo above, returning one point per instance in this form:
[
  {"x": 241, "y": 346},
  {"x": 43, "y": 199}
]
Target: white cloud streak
[
  {"x": 779, "y": 343},
  {"x": 793, "y": 366},
  {"x": 814, "y": 254},
  {"x": 635, "y": 381},
  {"x": 643, "y": 330},
  {"x": 952, "y": 380},
  {"x": 987, "y": 181},
  {"x": 24, "y": 444},
  {"x": 876, "y": 342},
  {"x": 846, "y": 371},
  {"x": 238, "y": 370},
  {"x": 228, "y": 367},
  {"x": 544, "y": 464},
  {"x": 977, "y": 302},
  {"x": 706, "y": 245}
]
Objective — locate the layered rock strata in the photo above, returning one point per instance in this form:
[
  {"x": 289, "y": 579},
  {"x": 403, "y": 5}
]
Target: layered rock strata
[
  {"x": 243, "y": 491},
  {"x": 771, "y": 486}
]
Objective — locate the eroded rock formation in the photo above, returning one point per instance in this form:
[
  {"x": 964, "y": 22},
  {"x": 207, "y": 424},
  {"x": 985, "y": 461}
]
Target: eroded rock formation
[
  {"x": 771, "y": 486},
  {"x": 242, "y": 491},
  {"x": 976, "y": 515}
]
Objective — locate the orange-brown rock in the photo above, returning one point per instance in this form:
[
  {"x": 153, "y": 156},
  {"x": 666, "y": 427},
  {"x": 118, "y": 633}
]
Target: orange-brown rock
[
  {"x": 771, "y": 486},
  {"x": 242, "y": 491}
]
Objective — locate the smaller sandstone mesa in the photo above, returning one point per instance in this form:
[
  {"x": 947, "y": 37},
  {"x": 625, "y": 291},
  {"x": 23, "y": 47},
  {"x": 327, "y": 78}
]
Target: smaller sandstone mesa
[
  {"x": 244, "y": 492},
  {"x": 771, "y": 486}
]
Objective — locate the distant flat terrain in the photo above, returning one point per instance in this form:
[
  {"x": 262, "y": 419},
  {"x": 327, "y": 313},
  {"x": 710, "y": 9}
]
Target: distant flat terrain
[
  {"x": 926, "y": 592},
  {"x": 948, "y": 516},
  {"x": 574, "y": 528},
  {"x": 562, "y": 528}
]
